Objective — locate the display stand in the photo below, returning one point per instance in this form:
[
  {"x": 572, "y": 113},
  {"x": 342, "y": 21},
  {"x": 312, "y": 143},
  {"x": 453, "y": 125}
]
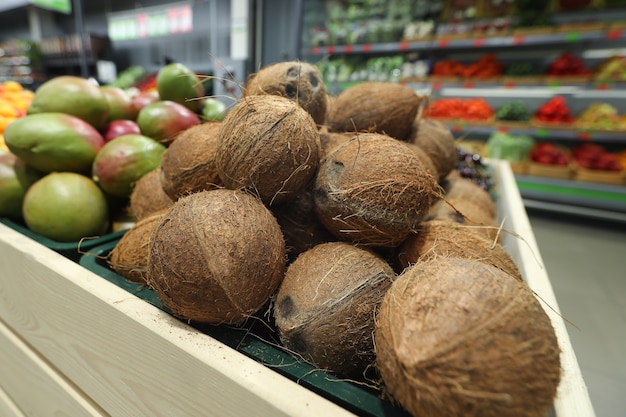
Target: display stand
[{"x": 75, "y": 344}]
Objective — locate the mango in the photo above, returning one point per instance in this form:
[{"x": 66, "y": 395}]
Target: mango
[
  {"x": 72, "y": 95},
  {"x": 120, "y": 103},
  {"x": 163, "y": 120},
  {"x": 66, "y": 207},
  {"x": 15, "y": 179},
  {"x": 123, "y": 161},
  {"x": 54, "y": 142},
  {"x": 176, "y": 82}
]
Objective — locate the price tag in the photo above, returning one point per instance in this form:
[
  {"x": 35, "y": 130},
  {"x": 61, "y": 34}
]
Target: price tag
[
  {"x": 468, "y": 84},
  {"x": 347, "y": 49},
  {"x": 478, "y": 42},
  {"x": 436, "y": 86},
  {"x": 457, "y": 127},
  {"x": 331, "y": 49},
  {"x": 367, "y": 47},
  {"x": 542, "y": 133},
  {"x": 403, "y": 46},
  {"x": 603, "y": 86},
  {"x": 584, "y": 136},
  {"x": 510, "y": 84},
  {"x": 443, "y": 43},
  {"x": 503, "y": 129},
  {"x": 572, "y": 37},
  {"x": 518, "y": 40},
  {"x": 317, "y": 50}
]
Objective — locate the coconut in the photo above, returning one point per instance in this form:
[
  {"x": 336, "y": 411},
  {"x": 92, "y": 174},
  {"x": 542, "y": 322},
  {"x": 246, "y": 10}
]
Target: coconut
[
  {"x": 295, "y": 80},
  {"x": 188, "y": 165},
  {"x": 371, "y": 191},
  {"x": 375, "y": 106},
  {"x": 423, "y": 156},
  {"x": 301, "y": 228},
  {"x": 475, "y": 218},
  {"x": 269, "y": 145},
  {"x": 330, "y": 140},
  {"x": 148, "y": 196},
  {"x": 437, "y": 141},
  {"x": 456, "y": 337},
  {"x": 463, "y": 188},
  {"x": 326, "y": 304},
  {"x": 217, "y": 257},
  {"x": 450, "y": 239},
  {"x": 129, "y": 257}
]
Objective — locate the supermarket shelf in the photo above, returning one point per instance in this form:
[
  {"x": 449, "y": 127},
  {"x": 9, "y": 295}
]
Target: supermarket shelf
[
  {"x": 540, "y": 132},
  {"x": 472, "y": 41},
  {"x": 574, "y": 197}
]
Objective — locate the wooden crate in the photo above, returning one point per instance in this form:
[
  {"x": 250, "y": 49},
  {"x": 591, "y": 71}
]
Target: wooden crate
[{"x": 76, "y": 344}]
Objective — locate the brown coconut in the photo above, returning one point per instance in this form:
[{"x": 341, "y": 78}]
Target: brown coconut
[
  {"x": 373, "y": 191},
  {"x": 463, "y": 188},
  {"x": 298, "y": 81},
  {"x": 375, "y": 106},
  {"x": 423, "y": 156},
  {"x": 437, "y": 141},
  {"x": 148, "y": 196},
  {"x": 330, "y": 140},
  {"x": 129, "y": 257},
  {"x": 301, "y": 228},
  {"x": 188, "y": 164},
  {"x": 326, "y": 305},
  {"x": 456, "y": 337},
  {"x": 217, "y": 257},
  {"x": 270, "y": 146},
  {"x": 475, "y": 218},
  {"x": 445, "y": 238}
]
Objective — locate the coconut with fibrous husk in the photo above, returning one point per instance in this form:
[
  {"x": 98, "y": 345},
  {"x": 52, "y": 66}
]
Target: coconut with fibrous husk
[
  {"x": 423, "y": 156},
  {"x": 375, "y": 106},
  {"x": 372, "y": 190},
  {"x": 457, "y": 187},
  {"x": 270, "y": 146},
  {"x": 301, "y": 228},
  {"x": 330, "y": 140},
  {"x": 326, "y": 304},
  {"x": 217, "y": 257},
  {"x": 295, "y": 80},
  {"x": 457, "y": 337},
  {"x": 148, "y": 196},
  {"x": 474, "y": 217},
  {"x": 437, "y": 141},
  {"x": 446, "y": 238},
  {"x": 188, "y": 165},
  {"x": 129, "y": 257}
]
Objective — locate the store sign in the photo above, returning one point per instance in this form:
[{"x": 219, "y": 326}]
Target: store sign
[
  {"x": 63, "y": 6},
  {"x": 147, "y": 23}
]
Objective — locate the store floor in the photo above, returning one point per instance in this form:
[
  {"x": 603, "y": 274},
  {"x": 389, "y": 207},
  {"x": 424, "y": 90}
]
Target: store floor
[{"x": 586, "y": 263}]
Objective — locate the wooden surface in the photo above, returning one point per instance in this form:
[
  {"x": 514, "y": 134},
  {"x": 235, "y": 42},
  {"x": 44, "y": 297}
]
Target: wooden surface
[
  {"x": 74, "y": 340},
  {"x": 572, "y": 396},
  {"x": 120, "y": 353}
]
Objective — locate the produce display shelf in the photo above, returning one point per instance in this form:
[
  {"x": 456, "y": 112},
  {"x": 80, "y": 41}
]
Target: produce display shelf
[
  {"x": 539, "y": 132},
  {"x": 576, "y": 197},
  {"x": 471, "y": 41},
  {"x": 86, "y": 346},
  {"x": 71, "y": 250}
]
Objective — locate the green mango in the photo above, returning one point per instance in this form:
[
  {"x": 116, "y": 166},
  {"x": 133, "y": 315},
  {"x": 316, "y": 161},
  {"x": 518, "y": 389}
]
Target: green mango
[
  {"x": 15, "y": 179},
  {"x": 54, "y": 142},
  {"x": 175, "y": 82},
  {"x": 123, "y": 161},
  {"x": 66, "y": 206},
  {"x": 72, "y": 95}
]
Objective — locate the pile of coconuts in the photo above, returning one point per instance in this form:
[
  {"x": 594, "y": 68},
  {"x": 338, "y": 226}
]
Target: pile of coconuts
[{"x": 342, "y": 222}]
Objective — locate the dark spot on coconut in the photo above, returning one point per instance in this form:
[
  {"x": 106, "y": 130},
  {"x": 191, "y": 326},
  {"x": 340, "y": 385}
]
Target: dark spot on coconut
[
  {"x": 293, "y": 72},
  {"x": 291, "y": 91},
  {"x": 297, "y": 342},
  {"x": 313, "y": 79},
  {"x": 286, "y": 306}
]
